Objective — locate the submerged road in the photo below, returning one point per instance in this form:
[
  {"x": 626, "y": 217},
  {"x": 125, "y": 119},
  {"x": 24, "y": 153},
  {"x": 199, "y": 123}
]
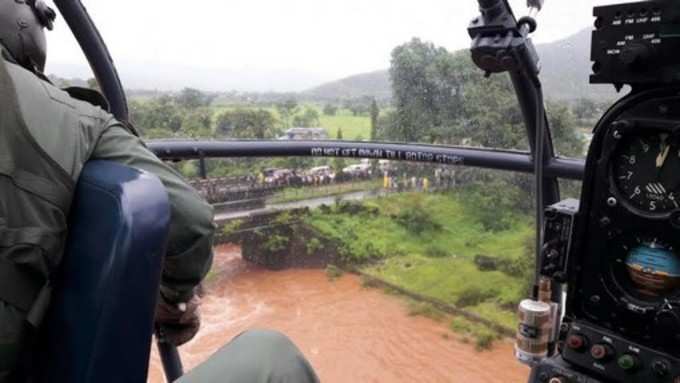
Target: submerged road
[
  {"x": 308, "y": 203},
  {"x": 348, "y": 332}
]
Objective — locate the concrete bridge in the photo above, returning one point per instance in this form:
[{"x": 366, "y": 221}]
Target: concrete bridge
[{"x": 224, "y": 212}]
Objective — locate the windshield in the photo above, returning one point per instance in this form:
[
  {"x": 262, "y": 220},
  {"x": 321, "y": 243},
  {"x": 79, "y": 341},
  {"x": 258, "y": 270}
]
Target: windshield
[{"x": 384, "y": 268}]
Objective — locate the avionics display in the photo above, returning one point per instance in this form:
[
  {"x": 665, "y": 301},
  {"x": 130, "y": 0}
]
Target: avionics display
[{"x": 637, "y": 43}]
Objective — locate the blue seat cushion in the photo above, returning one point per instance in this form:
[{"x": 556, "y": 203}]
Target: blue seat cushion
[{"x": 100, "y": 323}]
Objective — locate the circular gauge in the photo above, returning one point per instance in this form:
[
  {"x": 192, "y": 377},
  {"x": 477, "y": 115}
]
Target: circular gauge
[{"x": 646, "y": 170}]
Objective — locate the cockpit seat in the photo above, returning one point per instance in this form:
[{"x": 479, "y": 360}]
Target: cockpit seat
[{"x": 99, "y": 327}]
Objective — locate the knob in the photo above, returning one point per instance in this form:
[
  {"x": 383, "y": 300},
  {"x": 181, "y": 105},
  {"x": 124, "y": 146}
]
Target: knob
[
  {"x": 629, "y": 362},
  {"x": 661, "y": 367},
  {"x": 601, "y": 351},
  {"x": 636, "y": 55},
  {"x": 577, "y": 342}
]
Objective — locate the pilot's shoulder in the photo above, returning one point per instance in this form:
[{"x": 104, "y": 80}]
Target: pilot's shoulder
[
  {"x": 42, "y": 94},
  {"x": 90, "y": 96}
]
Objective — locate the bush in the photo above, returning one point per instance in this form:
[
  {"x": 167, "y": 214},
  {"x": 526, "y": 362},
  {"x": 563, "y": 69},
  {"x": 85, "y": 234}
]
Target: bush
[
  {"x": 484, "y": 340},
  {"x": 486, "y": 263},
  {"x": 313, "y": 246},
  {"x": 276, "y": 243},
  {"x": 494, "y": 202},
  {"x": 231, "y": 227},
  {"x": 433, "y": 251},
  {"x": 356, "y": 208},
  {"x": 369, "y": 282},
  {"x": 474, "y": 296},
  {"x": 484, "y": 336},
  {"x": 417, "y": 221},
  {"x": 425, "y": 310},
  {"x": 333, "y": 272}
]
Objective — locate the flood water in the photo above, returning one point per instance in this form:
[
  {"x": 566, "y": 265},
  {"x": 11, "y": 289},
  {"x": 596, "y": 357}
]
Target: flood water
[{"x": 348, "y": 332}]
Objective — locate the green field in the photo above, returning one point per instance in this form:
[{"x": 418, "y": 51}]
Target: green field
[{"x": 353, "y": 127}]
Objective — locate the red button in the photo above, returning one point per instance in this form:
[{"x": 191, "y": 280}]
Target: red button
[
  {"x": 601, "y": 351},
  {"x": 576, "y": 342}
]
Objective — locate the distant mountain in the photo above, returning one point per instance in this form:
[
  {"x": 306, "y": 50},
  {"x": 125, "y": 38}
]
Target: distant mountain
[
  {"x": 565, "y": 73},
  {"x": 373, "y": 84},
  {"x": 566, "y": 68}
]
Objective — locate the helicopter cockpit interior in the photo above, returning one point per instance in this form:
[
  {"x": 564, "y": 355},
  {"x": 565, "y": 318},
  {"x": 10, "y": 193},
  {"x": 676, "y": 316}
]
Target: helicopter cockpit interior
[{"x": 605, "y": 299}]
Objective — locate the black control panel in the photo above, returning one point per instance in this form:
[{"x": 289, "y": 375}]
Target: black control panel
[
  {"x": 616, "y": 358},
  {"x": 637, "y": 43},
  {"x": 557, "y": 233},
  {"x": 556, "y": 370}
]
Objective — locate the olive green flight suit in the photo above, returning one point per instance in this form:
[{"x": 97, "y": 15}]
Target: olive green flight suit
[
  {"x": 45, "y": 139},
  {"x": 256, "y": 356}
]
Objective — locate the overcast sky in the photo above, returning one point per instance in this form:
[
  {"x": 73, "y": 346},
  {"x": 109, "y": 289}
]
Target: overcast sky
[{"x": 281, "y": 45}]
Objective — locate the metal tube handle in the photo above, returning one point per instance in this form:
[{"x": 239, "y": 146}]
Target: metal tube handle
[{"x": 170, "y": 358}]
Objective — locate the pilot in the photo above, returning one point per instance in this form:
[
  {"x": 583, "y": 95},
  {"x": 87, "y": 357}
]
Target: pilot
[{"x": 46, "y": 136}]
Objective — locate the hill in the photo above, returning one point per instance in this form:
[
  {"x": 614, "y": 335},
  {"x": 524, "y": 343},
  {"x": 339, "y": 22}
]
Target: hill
[
  {"x": 373, "y": 84},
  {"x": 565, "y": 72},
  {"x": 566, "y": 69}
]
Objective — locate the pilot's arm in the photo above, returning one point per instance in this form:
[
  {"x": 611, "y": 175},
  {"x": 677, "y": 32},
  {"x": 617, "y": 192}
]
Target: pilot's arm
[{"x": 189, "y": 253}]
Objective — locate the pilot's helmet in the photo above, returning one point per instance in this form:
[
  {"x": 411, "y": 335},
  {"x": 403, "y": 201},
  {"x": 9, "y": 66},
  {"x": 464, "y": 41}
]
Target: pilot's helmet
[{"x": 22, "y": 24}]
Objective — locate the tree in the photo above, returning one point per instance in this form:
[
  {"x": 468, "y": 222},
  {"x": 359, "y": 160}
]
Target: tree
[
  {"x": 426, "y": 89},
  {"x": 191, "y": 98},
  {"x": 247, "y": 123},
  {"x": 585, "y": 108},
  {"x": 444, "y": 98},
  {"x": 158, "y": 115},
  {"x": 339, "y": 162},
  {"x": 309, "y": 119},
  {"x": 197, "y": 123},
  {"x": 568, "y": 142},
  {"x": 375, "y": 115},
  {"x": 287, "y": 109},
  {"x": 330, "y": 110}
]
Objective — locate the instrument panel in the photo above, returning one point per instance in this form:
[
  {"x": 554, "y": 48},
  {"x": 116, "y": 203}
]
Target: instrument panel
[
  {"x": 627, "y": 265},
  {"x": 624, "y": 269}
]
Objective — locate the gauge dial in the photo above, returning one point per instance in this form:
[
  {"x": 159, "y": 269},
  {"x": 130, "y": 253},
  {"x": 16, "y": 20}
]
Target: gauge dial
[{"x": 646, "y": 170}]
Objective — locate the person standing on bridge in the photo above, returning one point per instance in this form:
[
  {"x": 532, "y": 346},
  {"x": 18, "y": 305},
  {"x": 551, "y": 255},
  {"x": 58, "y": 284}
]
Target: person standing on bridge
[{"x": 46, "y": 137}]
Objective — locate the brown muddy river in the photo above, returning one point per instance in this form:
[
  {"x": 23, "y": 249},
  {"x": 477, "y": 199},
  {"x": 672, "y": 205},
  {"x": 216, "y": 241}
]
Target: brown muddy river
[{"x": 348, "y": 332}]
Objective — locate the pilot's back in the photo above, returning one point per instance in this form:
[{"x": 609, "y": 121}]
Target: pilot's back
[{"x": 67, "y": 129}]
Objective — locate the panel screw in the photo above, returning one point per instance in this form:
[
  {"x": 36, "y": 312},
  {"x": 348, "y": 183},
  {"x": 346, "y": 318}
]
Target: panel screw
[
  {"x": 612, "y": 202},
  {"x": 605, "y": 221}
]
